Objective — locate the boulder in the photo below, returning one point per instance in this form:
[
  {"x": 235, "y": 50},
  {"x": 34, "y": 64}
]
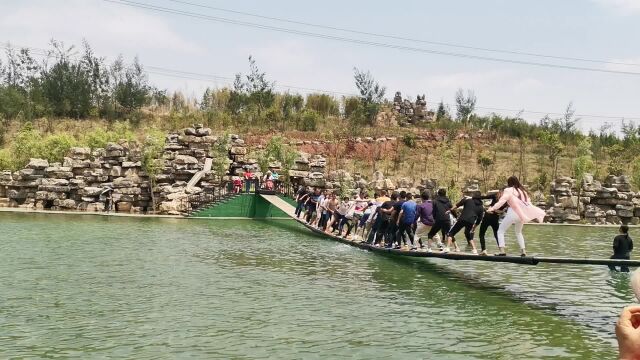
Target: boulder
[
  {"x": 37, "y": 164},
  {"x": 80, "y": 153},
  {"x": 185, "y": 160},
  {"x": 61, "y": 172},
  {"x": 123, "y": 206}
]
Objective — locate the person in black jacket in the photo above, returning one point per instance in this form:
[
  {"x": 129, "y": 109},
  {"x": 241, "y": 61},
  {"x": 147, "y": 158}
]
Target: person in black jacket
[
  {"x": 622, "y": 246},
  {"x": 490, "y": 220},
  {"x": 441, "y": 209},
  {"x": 471, "y": 216}
]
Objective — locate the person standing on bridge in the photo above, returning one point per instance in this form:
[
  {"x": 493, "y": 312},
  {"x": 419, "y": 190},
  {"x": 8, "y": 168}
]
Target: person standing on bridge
[
  {"x": 520, "y": 212},
  {"x": 471, "y": 216},
  {"x": 442, "y": 209},
  {"x": 301, "y": 198},
  {"x": 622, "y": 246}
]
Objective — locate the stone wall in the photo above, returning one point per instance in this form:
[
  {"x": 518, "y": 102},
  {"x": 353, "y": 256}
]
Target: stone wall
[
  {"x": 84, "y": 180},
  {"x": 610, "y": 203},
  {"x": 415, "y": 111}
]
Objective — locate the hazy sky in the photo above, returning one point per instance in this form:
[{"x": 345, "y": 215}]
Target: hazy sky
[{"x": 605, "y": 30}]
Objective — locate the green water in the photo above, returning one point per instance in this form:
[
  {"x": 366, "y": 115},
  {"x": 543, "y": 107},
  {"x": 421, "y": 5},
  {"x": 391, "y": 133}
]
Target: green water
[{"x": 99, "y": 287}]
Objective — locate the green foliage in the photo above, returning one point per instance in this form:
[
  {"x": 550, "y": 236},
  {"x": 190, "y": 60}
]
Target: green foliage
[
  {"x": 541, "y": 182},
  {"x": 485, "y": 162},
  {"x": 583, "y": 162},
  {"x": 554, "y": 147},
  {"x": 220, "y": 156},
  {"x": 371, "y": 94},
  {"x": 409, "y": 140},
  {"x": 55, "y": 147},
  {"x": 441, "y": 113},
  {"x": 277, "y": 150},
  {"x": 323, "y": 104},
  {"x": 99, "y": 137},
  {"x": 26, "y": 145},
  {"x": 465, "y": 105},
  {"x": 6, "y": 160},
  {"x": 616, "y": 154},
  {"x": 309, "y": 120},
  {"x": 635, "y": 172},
  {"x": 12, "y": 101}
]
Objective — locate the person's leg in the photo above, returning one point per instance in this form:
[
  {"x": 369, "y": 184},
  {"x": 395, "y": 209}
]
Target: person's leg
[
  {"x": 452, "y": 232},
  {"x": 495, "y": 224},
  {"x": 434, "y": 231},
  {"x": 484, "y": 225},
  {"x": 612, "y": 267},
  {"x": 506, "y": 223},
  {"x": 468, "y": 233},
  {"x": 519, "y": 236}
]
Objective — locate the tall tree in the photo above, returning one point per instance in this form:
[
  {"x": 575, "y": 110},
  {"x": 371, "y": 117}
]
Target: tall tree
[
  {"x": 465, "y": 105},
  {"x": 371, "y": 94}
]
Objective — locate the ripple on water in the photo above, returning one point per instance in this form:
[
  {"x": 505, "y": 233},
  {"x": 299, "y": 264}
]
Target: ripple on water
[{"x": 146, "y": 288}]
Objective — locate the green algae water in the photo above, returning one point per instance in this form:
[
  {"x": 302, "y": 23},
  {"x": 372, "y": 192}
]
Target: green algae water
[{"x": 105, "y": 287}]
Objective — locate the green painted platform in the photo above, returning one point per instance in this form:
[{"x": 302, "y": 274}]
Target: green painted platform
[{"x": 250, "y": 206}]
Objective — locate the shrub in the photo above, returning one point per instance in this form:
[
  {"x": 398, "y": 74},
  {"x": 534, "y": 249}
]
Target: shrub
[
  {"x": 409, "y": 140},
  {"x": 309, "y": 120},
  {"x": 55, "y": 147},
  {"x": 6, "y": 160}
]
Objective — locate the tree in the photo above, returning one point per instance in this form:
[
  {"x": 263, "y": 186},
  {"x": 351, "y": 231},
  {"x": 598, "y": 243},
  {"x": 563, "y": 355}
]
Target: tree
[
  {"x": 371, "y": 94},
  {"x": 465, "y": 105},
  {"x": 131, "y": 87},
  {"x": 441, "y": 113},
  {"x": 485, "y": 162},
  {"x": 260, "y": 90},
  {"x": 152, "y": 162},
  {"x": 554, "y": 147}
]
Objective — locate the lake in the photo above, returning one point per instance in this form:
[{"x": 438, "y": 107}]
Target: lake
[{"x": 145, "y": 288}]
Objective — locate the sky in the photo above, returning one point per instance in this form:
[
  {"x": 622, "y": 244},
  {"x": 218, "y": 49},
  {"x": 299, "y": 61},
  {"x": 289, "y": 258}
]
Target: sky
[{"x": 603, "y": 30}]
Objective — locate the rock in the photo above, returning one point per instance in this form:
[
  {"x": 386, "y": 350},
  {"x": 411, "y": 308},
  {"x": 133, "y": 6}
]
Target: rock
[
  {"x": 61, "y": 172},
  {"x": 130, "y": 164},
  {"x": 80, "y": 153},
  {"x": 65, "y": 204},
  {"x": 203, "y": 131},
  {"x": 115, "y": 171},
  {"x": 570, "y": 202},
  {"x": 123, "y": 206},
  {"x": 298, "y": 173},
  {"x": 185, "y": 160},
  {"x": 37, "y": 164},
  {"x": 190, "y": 131}
]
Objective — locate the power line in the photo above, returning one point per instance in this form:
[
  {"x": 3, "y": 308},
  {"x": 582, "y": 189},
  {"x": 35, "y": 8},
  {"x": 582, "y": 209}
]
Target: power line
[
  {"x": 362, "y": 42},
  {"x": 397, "y": 37},
  {"x": 162, "y": 71}
]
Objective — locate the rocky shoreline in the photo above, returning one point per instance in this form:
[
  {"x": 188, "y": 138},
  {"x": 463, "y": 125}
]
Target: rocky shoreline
[{"x": 89, "y": 179}]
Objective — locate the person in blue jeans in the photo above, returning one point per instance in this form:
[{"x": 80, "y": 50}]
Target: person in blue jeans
[{"x": 406, "y": 219}]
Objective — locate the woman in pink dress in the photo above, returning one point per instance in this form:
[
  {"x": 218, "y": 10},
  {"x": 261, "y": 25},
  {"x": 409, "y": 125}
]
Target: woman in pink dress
[{"x": 520, "y": 211}]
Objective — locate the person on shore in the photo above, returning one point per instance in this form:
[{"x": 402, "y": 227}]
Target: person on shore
[
  {"x": 248, "y": 180},
  {"x": 301, "y": 198},
  {"x": 520, "y": 212},
  {"x": 424, "y": 213},
  {"x": 237, "y": 185},
  {"x": 490, "y": 220},
  {"x": 442, "y": 209},
  {"x": 406, "y": 219},
  {"x": 622, "y": 246},
  {"x": 312, "y": 203},
  {"x": 470, "y": 217},
  {"x": 267, "y": 180}
]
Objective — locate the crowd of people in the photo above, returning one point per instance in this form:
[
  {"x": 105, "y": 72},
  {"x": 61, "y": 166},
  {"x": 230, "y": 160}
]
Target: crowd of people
[
  {"x": 398, "y": 221},
  {"x": 250, "y": 181}
]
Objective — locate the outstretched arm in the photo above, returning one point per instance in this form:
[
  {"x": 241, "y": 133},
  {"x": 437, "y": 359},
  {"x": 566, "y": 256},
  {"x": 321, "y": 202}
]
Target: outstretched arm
[{"x": 503, "y": 199}]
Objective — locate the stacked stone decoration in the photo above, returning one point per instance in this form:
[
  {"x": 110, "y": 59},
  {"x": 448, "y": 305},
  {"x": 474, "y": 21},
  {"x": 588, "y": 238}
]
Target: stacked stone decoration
[
  {"x": 379, "y": 182},
  {"x": 315, "y": 177},
  {"x": 300, "y": 169},
  {"x": 611, "y": 203},
  {"x": 414, "y": 111},
  {"x": 240, "y": 162},
  {"x": 85, "y": 178}
]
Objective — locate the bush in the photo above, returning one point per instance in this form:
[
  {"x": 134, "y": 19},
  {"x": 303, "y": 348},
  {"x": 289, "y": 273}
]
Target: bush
[
  {"x": 26, "y": 145},
  {"x": 6, "y": 160},
  {"x": 309, "y": 120},
  {"x": 409, "y": 140},
  {"x": 100, "y": 137},
  {"x": 55, "y": 147}
]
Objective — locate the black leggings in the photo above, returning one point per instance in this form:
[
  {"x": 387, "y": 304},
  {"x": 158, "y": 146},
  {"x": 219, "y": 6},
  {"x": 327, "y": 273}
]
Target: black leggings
[
  {"x": 460, "y": 224},
  {"x": 622, "y": 268},
  {"x": 489, "y": 220},
  {"x": 405, "y": 229},
  {"x": 439, "y": 225}
]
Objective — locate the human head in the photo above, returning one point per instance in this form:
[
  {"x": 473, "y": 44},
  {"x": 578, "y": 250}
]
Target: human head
[
  {"x": 424, "y": 196},
  {"x": 383, "y": 193},
  {"x": 408, "y": 196},
  {"x": 442, "y": 192},
  {"x": 376, "y": 194},
  {"x": 345, "y": 198},
  {"x": 316, "y": 191},
  {"x": 394, "y": 196},
  {"x": 403, "y": 194},
  {"x": 476, "y": 194},
  {"x": 514, "y": 182},
  {"x": 624, "y": 229}
]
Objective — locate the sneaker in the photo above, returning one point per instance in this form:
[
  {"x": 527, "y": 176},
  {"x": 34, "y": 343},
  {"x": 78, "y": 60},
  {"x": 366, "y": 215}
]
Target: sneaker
[
  {"x": 484, "y": 253},
  {"x": 440, "y": 245},
  {"x": 445, "y": 250},
  {"x": 397, "y": 247},
  {"x": 457, "y": 249},
  {"x": 474, "y": 252},
  {"x": 429, "y": 250},
  {"x": 501, "y": 254},
  {"x": 413, "y": 248}
]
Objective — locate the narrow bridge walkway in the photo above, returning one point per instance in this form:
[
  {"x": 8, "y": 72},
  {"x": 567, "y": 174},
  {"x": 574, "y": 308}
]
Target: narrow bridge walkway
[
  {"x": 281, "y": 204},
  {"x": 527, "y": 260}
]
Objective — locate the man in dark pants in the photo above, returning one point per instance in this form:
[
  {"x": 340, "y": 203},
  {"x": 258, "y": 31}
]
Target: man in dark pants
[
  {"x": 441, "y": 209},
  {"x": 406, "y": 219},
  {"x": 301, "y": 197},
  {"x": 471, "y": 215},
  {"x": 384, "y": 212},
  {"x": 393, "y": 230},
  {"x": 622, "y": 246},
  {"x": 490, "y": 220}
]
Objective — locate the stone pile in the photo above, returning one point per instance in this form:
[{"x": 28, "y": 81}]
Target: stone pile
[
  {"x": 85, "y": 179},
  {"x": 379, "y": 182},
  {"x": 315, "y": 176},
  {"x": 415, "y": 112},
  {"x": 610, "y": 203}
]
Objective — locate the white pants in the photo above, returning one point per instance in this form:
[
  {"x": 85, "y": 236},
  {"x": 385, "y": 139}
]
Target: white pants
[
  {"x": 423, "y": 230},
  {"x": 510, "y": 219}
]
